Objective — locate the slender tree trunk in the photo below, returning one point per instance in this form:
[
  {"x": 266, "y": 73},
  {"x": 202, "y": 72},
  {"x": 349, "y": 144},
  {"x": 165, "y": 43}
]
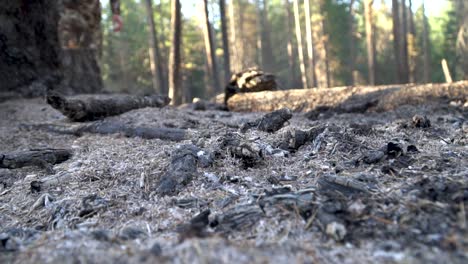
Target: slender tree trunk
[
  {"x": 446, "y": 70},
  {"x": 404, "y": 45},
  {"x": 310, "y": 45},
  {"x": 291, "y": 57},
  {"x": 299, "y": 44},
  {"x": 352, "y": 44},
  {"x": 320, "y": 38},
  {"x": 259, "y": 56},
  {"x": 154, "y": 53},
  {"x": 396, "y": 40},
  {"x": 234, "y": 41},
  {"x": 210, "y": 51},
  {"x": 426, "y": 48},
  {"x": 227, "y": 61},
  {"x": 462, "y": 39},
  {"x": 175, "y": 84},
  {"x": 162, "y": 46},
  {"x": 412, "y": 50},
  {"x": 268, "y": 59},
  {"x": 368, "y": 10}
]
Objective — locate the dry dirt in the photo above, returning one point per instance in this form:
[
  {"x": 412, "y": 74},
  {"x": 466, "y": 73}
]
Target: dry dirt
[{"x": 362, "y": 188}]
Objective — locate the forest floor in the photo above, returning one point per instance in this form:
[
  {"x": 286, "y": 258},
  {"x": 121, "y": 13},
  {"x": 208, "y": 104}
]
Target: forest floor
[{"x": 360, "y": 188}]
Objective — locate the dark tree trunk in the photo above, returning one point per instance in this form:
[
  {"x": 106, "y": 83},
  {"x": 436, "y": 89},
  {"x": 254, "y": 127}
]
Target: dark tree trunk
[
  {"x": 404, "y": 43},
  {"x": 370, "y": 40},
  {"x": 210, "y": 52},
  {"x": 29, "y": 47},
  {"x": 154, "y": 52},
  {"x": 175, "y": 83},
  {"x": 426, "y": 48},
  {"x": 291, "y": 54},
  {"x": 396, "y": 40},
  {"x": 352, "y": 44},
  {"x": 227, "y": 62}
]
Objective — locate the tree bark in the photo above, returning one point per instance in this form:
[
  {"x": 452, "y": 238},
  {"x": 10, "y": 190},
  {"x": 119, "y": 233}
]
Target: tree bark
[
  {"x": 352, "y": 44},
  {"x": 412, "y": 50},
  {"x": 92, "y": 108},
  {"x": 404, "y": 45},
  {"x": 320, "y": 37},
  {"x": 175, "y": 84},
  {"x": 310, "y": 45},
  {"x": 426, "y": 48},
  {"x": 29, "y": 46},
  {"x": 236, "y": 59},
  {"x": 226, "y": 53},
  {"x": 299, "y": 44},
  {"x": 291, "y": 57},
  {"x": 348, "y": 99},
  {"x": 368, "y": 10},
  {"x": 268, "y": 60},
  {"x": 396, "y": 41},
  {"x": 210, "y": 52},
  {"x": 154, "y": 52}
]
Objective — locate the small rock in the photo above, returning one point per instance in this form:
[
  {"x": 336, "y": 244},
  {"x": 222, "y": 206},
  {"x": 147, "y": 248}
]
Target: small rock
[
  {"x": 131, "y": 233},
  {"x": 421, "y": 122},
  {"x": 156, "y": 249},
  {"x": 336, "y": 230}
]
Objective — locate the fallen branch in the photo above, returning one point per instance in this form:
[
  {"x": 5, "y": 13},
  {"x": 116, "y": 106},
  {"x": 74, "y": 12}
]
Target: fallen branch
[
  {"x": 90, "y": 108},
  {"x": 107, "y": 127},
  {"x": 37, "y": 157},
  {"x": 347, "y": 99}
]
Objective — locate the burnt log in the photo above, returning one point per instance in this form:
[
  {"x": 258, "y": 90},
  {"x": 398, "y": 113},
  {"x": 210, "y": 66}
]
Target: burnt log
[
  {"x": 270, "y": 122},
  {"x": 94, "y": 108},
  {"x": 43, "y": 158},
  {"x": 108, "y": 127},
  {"x": 348, "y": 99}
]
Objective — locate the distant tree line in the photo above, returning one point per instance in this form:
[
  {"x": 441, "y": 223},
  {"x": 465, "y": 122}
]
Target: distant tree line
[{"x": 306, "y": 43}]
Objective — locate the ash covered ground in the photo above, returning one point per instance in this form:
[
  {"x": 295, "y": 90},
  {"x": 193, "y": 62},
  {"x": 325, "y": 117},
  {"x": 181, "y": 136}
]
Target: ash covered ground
[{"x": 388, "y": 187}]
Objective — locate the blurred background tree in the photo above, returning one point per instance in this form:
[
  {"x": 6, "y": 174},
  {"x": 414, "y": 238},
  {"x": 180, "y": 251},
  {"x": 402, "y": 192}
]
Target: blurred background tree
[{"x": 261, "y": 34}]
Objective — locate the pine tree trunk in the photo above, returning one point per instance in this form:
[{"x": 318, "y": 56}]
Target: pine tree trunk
[
  {"x": 368, "y": 10},
  {"x": 299, "y": 44},
  {"x": 162, "y": 45},
  {"x": 310, "y": 45},
  {"x": 396, "y": 40},
  {"x": 236, "y": 59},
  {"x": 412, "y": 50},
  {"x": 227, "y": 61},
  {"x": 29, "y": 46},
  {"x": 462, "y": 39},
  {"x": 426, "y": 48},
  {"x": 268, "y": 60},
  {"x": 210, "y": 52},
  {"x": 352, "y": 44},
  {"x": 404, "y": 45},
  {"x": 154, "y": 52},
  {"x": 175, "y": 84},
  {"x": 291, "y": 54},
  {"x": 321, "y": 60}
]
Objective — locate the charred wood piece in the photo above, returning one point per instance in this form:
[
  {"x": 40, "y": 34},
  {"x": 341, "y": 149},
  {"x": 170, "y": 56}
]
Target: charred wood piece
[
  {"x": 270, "y": 122},
  {"x": 107, "y": 127},
  {"x": 181, "y": 171},
  {"x": 43, "y": 158},
  {"x": 89, "y": 109}
]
